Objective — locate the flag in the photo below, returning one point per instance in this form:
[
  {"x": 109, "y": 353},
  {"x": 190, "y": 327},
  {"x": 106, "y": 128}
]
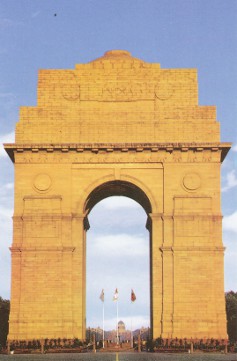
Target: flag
[
  {"x": 102, "y": 296},
  {"x": 115, "y": 298},
  {"x": 133, "y": 296}
]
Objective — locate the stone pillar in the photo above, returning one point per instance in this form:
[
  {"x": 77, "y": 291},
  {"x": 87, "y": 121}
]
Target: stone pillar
[
  {"x": 15, "y": 293},
  {"x": 79, "y": 276},
  {"x": 156, "y": 281},
  {"x": 168, "y": 276}
]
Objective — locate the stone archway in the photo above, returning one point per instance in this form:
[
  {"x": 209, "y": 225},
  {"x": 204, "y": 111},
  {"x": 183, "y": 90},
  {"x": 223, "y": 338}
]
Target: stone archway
[
  {"x": 129, "y": 124},
  {"x": 133, "y": 183},
  {"x": 122, "y": 189}
]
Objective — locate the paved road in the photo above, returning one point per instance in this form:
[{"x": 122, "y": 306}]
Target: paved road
[{"x": 121, "y": 357}]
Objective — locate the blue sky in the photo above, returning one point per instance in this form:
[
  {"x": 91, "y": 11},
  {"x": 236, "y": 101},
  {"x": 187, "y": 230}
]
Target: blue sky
[{"x": 198, "y": 34}]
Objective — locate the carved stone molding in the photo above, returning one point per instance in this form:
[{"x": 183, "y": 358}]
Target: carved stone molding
[{"x": 116, "y": 153}]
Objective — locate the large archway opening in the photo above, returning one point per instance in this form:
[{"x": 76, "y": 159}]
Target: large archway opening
[{"x": 118, "y": 256}]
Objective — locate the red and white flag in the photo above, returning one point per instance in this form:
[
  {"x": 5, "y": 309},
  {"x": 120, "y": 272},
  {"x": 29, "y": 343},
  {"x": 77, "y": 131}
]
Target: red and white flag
[
  {"x": 102, "y": 296},
  {"x": 133, "y": 296},
  {"x": 115, "y": 298}
]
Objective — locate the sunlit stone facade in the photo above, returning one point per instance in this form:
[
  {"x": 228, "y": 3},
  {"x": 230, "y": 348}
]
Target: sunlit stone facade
[{"x": 117, "y": 126}]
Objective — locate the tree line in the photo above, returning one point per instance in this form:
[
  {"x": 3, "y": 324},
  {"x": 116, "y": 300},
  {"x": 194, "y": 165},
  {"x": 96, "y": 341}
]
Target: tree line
[
  {"x": 231, "y": 312},
  {"x": 4, "y": 317}
]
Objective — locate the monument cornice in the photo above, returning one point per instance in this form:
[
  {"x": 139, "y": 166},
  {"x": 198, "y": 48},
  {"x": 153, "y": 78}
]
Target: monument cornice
[{"x": 117, "y": 147}]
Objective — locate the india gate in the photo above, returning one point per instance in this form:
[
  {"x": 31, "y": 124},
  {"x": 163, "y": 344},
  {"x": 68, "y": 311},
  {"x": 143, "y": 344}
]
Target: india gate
[{"x": 119, "y": 126}]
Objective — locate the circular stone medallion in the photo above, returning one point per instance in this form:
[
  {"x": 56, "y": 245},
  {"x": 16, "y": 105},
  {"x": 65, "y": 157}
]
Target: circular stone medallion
[
  {"x": 42, "y": 182},
  {"x": 192, "y": 181}
]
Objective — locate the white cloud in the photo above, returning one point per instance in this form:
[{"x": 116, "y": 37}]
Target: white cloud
[
  {"x": 6, "y": 240},
  {"x": 119, "y": 202},
  {"x": 6, "y": 138},
  {"x": 230, "y": 222},
  {"x": 6, "y": 200},
  {"x": 231, "y": 181},
  {"x": 230, "y": 268},
  {"x": 9, "y": 185},
  {"x": 6, "y": 187},
  {"x": 234, "y": 148},
  {"x": 109, "y": 245},
  {"x": 6, "y": 212},
  {"x": 230, "y": 242},
  {"x": 122, "y": 215}
]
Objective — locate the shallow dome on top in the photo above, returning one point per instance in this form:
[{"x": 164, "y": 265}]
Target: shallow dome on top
[{"x": 116, "y": 54}]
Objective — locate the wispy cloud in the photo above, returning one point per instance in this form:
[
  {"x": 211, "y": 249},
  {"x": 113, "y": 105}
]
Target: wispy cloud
[
  {"x": 35, "y": 14},
  {"x": 7, "y": 23},
  {"x": 6, "y": 138},
  {"x": 7, "y": 95},
  {"x": 231, "y": 181}
]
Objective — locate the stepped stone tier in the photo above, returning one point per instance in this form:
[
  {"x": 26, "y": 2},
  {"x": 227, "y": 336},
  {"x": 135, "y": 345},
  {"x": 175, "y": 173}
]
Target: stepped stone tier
[{"x": 117, "y": 126}]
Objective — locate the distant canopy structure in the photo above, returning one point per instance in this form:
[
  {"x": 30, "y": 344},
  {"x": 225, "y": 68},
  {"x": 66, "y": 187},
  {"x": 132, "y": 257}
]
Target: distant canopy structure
[{"x": 117, "y": 125}]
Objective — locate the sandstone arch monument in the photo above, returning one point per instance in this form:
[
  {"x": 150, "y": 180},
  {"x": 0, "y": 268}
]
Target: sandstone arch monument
[{"x": 117, "y": 126}]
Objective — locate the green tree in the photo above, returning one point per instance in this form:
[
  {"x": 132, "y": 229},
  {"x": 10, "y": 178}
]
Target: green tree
[
  {"x": 4, "y": 317},
  {"x": 231, "y": 312}
]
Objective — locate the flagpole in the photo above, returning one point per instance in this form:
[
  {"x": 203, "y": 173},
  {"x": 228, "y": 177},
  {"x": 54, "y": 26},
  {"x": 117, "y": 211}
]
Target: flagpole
[
  {"x": 117, "y": 323},
  {"x": 103, "y": 325},
  {"x": 133, "y": 299},
  {"x": 115, "y": 298},
  {"x": 102, "y": 298},
  {"x": 131, "y": 327}
]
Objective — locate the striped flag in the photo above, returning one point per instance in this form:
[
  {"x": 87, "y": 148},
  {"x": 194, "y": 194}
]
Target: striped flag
[
  {"x": 102, "y": 296},
  {"x": 115, "y": 298},
  {"x": 133, "y": 296}
]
